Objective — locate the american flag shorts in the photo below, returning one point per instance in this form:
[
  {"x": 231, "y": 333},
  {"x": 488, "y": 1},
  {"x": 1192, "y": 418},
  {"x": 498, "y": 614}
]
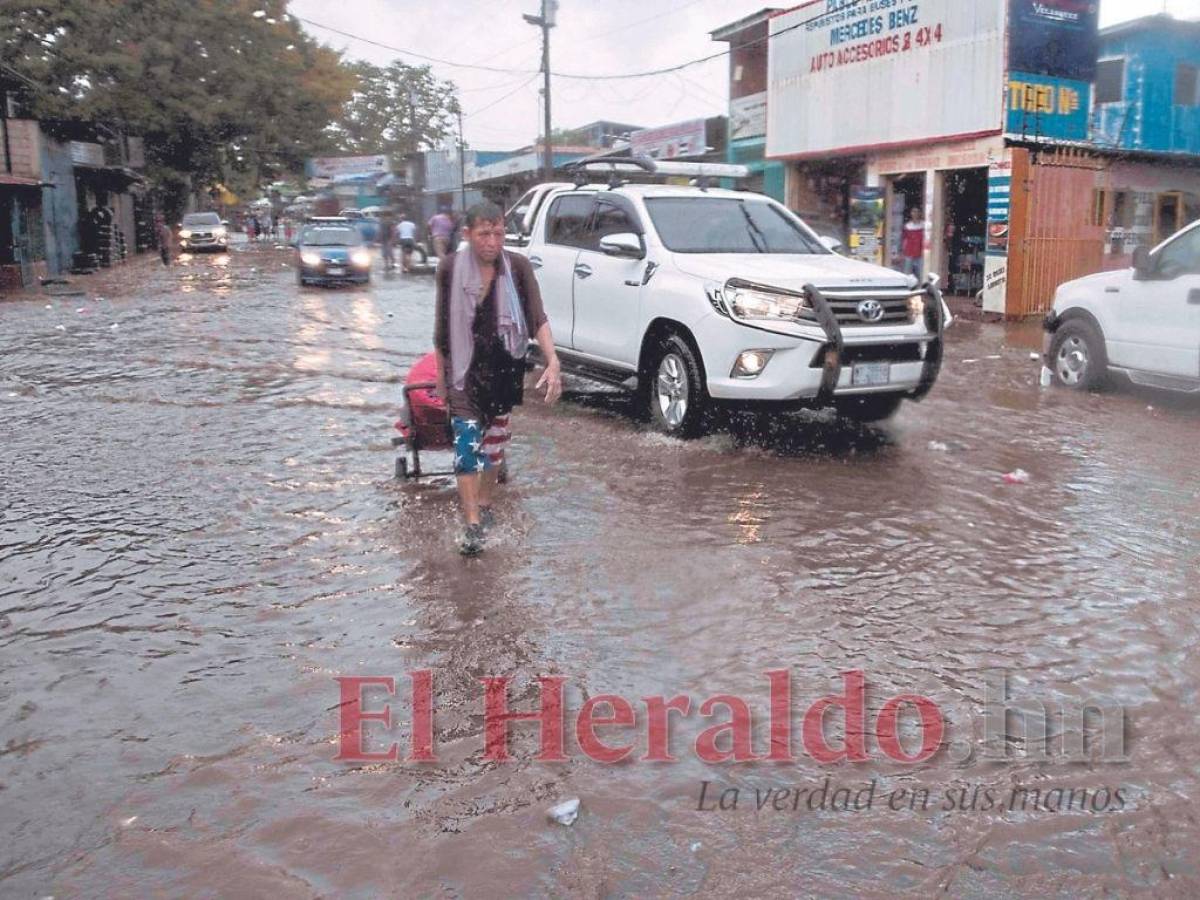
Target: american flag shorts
[{"x": 477, "y": 449}]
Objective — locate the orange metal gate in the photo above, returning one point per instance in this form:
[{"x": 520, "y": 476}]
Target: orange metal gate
[{"x": 1054, "y": 235}]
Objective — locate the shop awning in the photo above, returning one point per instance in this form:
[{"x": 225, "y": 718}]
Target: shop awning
[{"x": 22, "y": 181}]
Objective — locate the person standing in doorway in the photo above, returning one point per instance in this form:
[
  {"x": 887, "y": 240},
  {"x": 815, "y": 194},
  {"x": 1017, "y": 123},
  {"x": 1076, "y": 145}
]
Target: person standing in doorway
[
  {"x": 406, "y": 231},
  {"x": 912, "y": 245},
  {"x": 441, "y": 226},
  {"x": 488, "y": 307}
]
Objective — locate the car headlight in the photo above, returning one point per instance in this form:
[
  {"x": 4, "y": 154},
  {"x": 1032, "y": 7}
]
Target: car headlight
[
  {"x": 219, "y": 232},
  {"x": 753, "y": 303},
  {"x": 310, "y": 259},
  {"x": 184, "y": 233},
  {"x": 360, "y": 258}
]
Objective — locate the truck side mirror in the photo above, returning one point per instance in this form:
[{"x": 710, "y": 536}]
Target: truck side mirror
[
  {"x": 1143, "y": 263},
  {"x": 625, "y": 244}
]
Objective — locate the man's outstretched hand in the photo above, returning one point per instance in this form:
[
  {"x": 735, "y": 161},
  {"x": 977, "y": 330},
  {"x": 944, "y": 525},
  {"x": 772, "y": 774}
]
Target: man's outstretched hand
[{"x": 551, "y": 380}]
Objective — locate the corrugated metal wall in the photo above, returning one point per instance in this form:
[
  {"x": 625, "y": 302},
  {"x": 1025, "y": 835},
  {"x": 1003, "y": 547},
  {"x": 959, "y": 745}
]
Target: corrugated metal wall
[{"x": 1054, "y": 235}]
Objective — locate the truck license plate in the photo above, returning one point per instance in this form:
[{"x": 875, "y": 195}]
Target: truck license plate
[
  {"x": 336, "y": 270},
  {"x": 870, "y": 373}
]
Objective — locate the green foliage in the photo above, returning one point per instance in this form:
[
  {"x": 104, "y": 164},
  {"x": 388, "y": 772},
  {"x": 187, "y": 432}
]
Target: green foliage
[
  {"x": 217, "y": 91},
  {"x": 396, "y": 110}
]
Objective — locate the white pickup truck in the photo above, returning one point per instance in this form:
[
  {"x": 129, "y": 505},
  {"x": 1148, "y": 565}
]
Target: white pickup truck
[
  {"x": 694, "y": 296},
  {"x": 1142, "y": 322}
]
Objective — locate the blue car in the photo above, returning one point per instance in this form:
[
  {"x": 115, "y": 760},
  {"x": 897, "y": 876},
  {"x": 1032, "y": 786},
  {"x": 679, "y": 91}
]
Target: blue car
[{"x": 332, "y": 253}]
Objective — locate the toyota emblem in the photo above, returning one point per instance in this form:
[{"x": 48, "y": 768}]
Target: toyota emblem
[{"x": 870, "y": 310}]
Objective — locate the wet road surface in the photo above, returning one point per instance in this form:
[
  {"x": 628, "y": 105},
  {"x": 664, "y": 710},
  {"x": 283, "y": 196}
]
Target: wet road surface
[{"x": 199, "y": 531}]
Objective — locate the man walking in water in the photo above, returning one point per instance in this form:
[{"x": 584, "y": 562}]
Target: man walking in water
[
  {"x": 488, "y": 306},
  {"x": 407, "y": 232},
  {"x": 441, "y": 226}
]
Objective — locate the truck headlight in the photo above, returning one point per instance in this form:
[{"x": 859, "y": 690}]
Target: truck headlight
[
  {"x": 219, "y": 232},
  {"x": 750, "y": 363},
  {"x": 360, "y": 258},
  {"x": 184, "y": 233},
  {"x": 753, "y": 303},
  {"x": 310, "y": 259}
]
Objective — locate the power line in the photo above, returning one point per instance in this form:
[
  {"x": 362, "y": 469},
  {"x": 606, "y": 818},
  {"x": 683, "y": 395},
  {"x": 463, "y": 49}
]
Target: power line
[
  {"x": 500, "y": 100},
  {"x": 666, "y": 70}
]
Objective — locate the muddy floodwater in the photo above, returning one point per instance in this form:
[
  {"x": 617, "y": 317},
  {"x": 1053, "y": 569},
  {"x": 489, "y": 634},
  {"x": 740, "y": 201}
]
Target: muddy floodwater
[{"x": 199, "y": 530}]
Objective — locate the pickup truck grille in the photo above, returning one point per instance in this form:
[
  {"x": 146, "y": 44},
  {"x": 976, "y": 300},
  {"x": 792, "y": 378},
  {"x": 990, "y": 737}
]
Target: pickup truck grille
[
  {"x": 846, "y": 311},
  {"x": 844, "y": 303}
]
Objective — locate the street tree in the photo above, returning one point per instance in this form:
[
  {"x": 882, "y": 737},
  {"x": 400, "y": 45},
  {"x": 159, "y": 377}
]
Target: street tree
[
  {"x": 396, "y": 110},
  {"x": 220, "y": 89}
]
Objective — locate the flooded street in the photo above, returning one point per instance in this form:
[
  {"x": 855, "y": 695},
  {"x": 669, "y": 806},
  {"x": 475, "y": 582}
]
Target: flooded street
[{"x": 200, "y": 530}]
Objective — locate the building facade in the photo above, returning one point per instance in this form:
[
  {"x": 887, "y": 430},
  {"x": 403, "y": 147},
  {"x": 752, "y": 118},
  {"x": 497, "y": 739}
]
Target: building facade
[
  {"x": 982, "y": 119},
  {"x": 747, "y": 135}
]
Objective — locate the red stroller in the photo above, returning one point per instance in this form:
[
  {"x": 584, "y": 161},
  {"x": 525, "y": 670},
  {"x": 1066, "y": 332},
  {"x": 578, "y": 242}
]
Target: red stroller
[{"x": 424, "y": 423}]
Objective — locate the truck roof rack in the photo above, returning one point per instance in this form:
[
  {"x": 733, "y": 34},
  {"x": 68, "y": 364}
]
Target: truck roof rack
[
  {"x": 701, "y": 173},
  {"x": 580, "y": 168}
]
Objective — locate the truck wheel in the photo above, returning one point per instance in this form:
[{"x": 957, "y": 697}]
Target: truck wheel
[
  {"x": 676, "y": 391},
  {"x": 869, "y": 409},
  {"x": 1077, "y": 356}
]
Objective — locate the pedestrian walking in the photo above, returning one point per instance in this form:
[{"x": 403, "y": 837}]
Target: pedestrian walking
[
  {"x": 387, "y": 240},
  {"x": 406, "y": 231},
  {"x": 488, "y": 306},
  {"x": 912, "y": 245},
  {"x": 165, "y": 239},
  {"x": 441, "y": 227},
  {"x": 251, "y": 228}
]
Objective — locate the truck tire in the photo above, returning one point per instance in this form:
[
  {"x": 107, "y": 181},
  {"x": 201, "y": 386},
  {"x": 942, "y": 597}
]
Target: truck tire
[
  {"x": 1078, "y": 357},
  {"x": 676, "y": 391},
  {"x": 871, "y": 408}
]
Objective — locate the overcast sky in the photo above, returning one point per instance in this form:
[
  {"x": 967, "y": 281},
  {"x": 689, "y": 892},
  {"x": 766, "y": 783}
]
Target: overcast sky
[{"x": 593, "y": 37}]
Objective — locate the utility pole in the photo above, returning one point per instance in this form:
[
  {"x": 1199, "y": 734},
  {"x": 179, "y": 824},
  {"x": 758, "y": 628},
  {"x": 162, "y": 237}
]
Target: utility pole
[
  {"x": 545, "y": 22},
  {"x": 462, "y": 168}
]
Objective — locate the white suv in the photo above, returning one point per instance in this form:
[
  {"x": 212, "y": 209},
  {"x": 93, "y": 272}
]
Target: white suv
[
  {"x": 1143, "y": 322},
  {"x": 693, "y": 296}
]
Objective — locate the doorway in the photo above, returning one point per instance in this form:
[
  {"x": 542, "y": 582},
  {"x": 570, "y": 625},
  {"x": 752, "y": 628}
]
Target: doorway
[
  {"x": 964, "y": 230},
  {"x": 904, "y": 193}
]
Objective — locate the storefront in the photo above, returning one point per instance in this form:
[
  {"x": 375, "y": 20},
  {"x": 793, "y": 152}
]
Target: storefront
[
  {"x": 949, "y": 185},
  {"x": 859, "y": 113}
]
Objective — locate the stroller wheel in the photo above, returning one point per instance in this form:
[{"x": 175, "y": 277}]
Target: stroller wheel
[{"x": 401, "y": 467}]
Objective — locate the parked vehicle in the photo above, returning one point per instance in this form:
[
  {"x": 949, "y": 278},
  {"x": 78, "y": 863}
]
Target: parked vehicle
[
  {"x": 694, "y": 297},
  {"x": 1142, "y": 323},
  {"x": 332, "y": 252},
  {"x": 365, "y": 221},
  {"x": 203, "y": 232}
]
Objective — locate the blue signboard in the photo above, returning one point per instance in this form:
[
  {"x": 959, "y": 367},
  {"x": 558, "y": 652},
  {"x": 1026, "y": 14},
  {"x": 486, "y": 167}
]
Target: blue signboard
[
  {"x": 1041, "y": 106},
  {"x": 1054, "y": 37}
]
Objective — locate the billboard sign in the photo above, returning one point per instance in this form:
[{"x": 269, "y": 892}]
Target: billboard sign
[
  {"x": 681, "y": 139},
  {"x": 1058, "y": 38},
  {"x": 857, "y": 76},
  {"x": 748, "y": 116},
  {"x": 1042, "y": 106},
  {"x": 333, "y": 167}
]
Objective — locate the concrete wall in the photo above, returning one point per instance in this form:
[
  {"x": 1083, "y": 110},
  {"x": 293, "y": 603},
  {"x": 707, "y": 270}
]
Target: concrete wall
[{"x": 25, "y": 143}]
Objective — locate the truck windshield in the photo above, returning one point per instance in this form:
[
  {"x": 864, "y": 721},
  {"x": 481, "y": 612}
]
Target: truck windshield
[
  {"x": 331, "y": 237},
  {"x": 209, "y": 218},
  {"x": 727, "y": 225}
]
